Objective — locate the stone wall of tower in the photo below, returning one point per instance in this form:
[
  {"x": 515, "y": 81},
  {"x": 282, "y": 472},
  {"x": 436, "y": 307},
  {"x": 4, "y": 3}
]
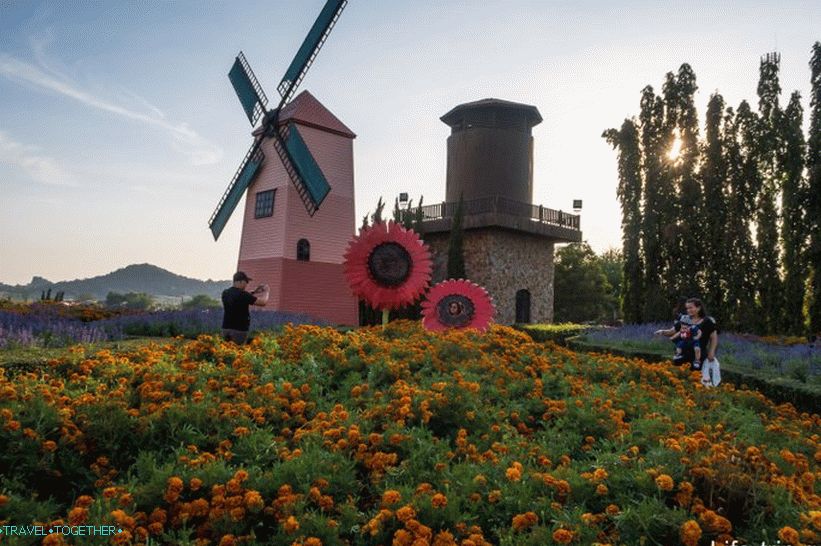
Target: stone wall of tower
[{"x": 504, "y": 262}]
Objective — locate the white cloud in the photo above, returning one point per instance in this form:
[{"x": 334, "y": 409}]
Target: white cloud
[
  {"x": 38, "y": 166},
  {"x": 199, "y": 150}
]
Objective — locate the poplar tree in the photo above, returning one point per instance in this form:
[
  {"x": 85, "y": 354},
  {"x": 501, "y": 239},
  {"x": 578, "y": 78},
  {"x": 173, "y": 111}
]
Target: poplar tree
[
  {"x": 691, "y": 211},
  {"x": 746, "y": 190},
  {"x": 629, "y": 192},
  {"x": 670, "y": 212},
  {"x": 651, "y": 119},
  {"x": 768, "y": 280},
  {"x": 814, "y": 189},
  {"x": 794, "y": 221},
  {"x": 714, "y": 213}
]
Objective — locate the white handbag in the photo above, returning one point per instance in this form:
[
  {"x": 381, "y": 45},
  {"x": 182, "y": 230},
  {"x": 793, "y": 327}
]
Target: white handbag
[{"x": 710, "y": 373}]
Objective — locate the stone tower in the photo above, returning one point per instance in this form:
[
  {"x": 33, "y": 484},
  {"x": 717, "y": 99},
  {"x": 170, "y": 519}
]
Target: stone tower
[{"x": 508, "y": 240}]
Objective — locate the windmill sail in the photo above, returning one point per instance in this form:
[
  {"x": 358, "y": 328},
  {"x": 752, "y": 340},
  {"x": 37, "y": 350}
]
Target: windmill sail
[
  {"x": 305, "y": 174},
  {"x": 239, "y": 183},
  {"x": 248, "y": 89},
  {"x": 310, "y": 48}
]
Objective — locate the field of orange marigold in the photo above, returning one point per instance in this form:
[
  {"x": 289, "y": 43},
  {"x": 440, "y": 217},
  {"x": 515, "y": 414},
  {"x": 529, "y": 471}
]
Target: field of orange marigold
[{"x": 399, "y": 437}]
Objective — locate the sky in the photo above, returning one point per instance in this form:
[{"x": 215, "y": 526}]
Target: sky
[{"x": 119, "y": 128}]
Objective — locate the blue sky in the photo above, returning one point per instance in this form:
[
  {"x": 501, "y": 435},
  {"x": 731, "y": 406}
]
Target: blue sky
[{"x": 119, "y": 129}]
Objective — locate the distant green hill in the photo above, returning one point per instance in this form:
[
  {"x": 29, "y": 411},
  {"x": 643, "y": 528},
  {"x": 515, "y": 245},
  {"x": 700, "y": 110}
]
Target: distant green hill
[{"x": 135, "y": 278}]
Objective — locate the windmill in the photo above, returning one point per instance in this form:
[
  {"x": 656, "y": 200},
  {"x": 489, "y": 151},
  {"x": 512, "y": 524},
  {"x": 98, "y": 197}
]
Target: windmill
[{"x": 301, "y": 166}]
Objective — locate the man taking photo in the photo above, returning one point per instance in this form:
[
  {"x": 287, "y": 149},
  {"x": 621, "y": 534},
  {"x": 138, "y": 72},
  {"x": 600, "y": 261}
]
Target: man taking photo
[{"x": 235, "y": 300}]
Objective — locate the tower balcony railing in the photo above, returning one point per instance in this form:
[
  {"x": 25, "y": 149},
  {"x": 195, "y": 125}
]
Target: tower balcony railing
[{"x": 499, "y": 205}]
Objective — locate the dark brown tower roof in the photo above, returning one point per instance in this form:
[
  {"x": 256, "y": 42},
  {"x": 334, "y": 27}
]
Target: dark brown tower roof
[{"x": 490, "y": 110}]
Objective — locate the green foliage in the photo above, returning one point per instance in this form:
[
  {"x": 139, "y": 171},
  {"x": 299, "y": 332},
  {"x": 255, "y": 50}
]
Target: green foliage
[
  {"x": 201, "y": 301},
  {"x": 131, "y": 300},
  {"x": 557, "y": 333},
  {"x": 814, "y": 189},
  {"x": 626, "y": 141},
  {"x": 796, "y": 225},
  {"x": 580, "y": 286}
]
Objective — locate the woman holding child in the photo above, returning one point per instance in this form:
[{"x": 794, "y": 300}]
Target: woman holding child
[{"x": 701, "y": 331}]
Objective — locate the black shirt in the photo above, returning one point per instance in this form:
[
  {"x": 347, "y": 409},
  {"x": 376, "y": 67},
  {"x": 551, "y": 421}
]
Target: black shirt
[
  {"x": 236, "y": 302},
  {"x": 708, "y": 326}
]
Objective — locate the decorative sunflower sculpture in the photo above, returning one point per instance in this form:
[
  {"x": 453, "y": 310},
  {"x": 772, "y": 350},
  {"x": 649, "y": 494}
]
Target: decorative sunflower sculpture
[
  {"x": 388, "y": 266},
  {"x": 457, "y": 304}
]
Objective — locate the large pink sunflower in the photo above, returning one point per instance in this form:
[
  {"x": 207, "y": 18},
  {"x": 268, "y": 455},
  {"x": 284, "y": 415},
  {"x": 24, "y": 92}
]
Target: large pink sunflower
[
  {"x": 388, "y": 266},
  {"x": 457, "y": 304}
]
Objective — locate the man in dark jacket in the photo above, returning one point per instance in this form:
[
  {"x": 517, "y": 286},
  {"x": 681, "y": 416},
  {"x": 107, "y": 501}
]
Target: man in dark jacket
[{"x": 235, "y": 300}]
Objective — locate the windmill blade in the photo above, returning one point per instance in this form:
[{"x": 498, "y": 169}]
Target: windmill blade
[
  {"x": 310, "y": 48},
  {"x": 307, "y": 177},
  {"x": 239, "y": 183},
  {"x": 248, "y": 89}
]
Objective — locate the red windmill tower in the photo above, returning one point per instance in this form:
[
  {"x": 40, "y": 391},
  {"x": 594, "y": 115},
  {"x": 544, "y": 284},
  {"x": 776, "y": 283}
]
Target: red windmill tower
[{"x": 301, "y": 158}]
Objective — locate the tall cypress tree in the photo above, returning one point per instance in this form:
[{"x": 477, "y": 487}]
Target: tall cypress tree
[
  {"x": 670, "y": 211},
  {"x": 456, "y": 251},
  {"x": 690, "y": 203},
  {"x": 626, "y": 141},
  {"x": 794, "y": 228},
  {"x": 747, "y": 189},
  {"x": 653, "y": 196},
  {"x": 768, "y": 282},
  {"x": 714, "y": 175},
  {"x": 814, "y": 189}
]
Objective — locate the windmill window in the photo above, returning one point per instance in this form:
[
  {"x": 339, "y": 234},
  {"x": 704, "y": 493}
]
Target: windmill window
[
  {"x": 265, "y": 204},
  {"x": 303, "y": 250}
]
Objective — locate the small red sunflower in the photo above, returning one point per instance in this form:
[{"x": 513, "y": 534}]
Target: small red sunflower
[
  {"x": 388, "y": 266},
  {"x": 457, "y": 304}
]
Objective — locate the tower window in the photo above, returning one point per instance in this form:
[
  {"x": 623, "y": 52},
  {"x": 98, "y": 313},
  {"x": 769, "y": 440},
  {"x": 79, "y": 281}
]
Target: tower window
[
  {"x": 265, "y": 204},
  {"x": 303, "y": 250}
]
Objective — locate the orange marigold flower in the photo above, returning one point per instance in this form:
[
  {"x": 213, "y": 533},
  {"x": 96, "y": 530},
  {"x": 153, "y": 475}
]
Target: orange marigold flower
[
  {"x": 522, "y": 521},
  {"x": 195, "y": 484},
  {"x": 513, "y": 474},
  {"x": 253, "y": 500},
  {"x": 439, "y": 500},
  {"x": 50, "y": 445},
  {"x": 494, "y": 496},
  {"x": 405, "y": 513},
  {"x": 601, "y": 489},
  {"x": 391, "y": 497},
  {"x": 312, "y": 541},
  {"x": 175, "y": 483},
  {"x": 664, "y": 482},
  {"x": 600, "y": 474},
  {"x": 291, "y": 524},
  {"x": 612, "y": 509},
  {"x": 788, "y": 535},
  {"x": 3, "y": 499},
  {"x": 83, "y": 500},
  {"x": 563, "y": 536},
  {"x": 444, "y": 538},
  {"x": 690, "y": 533},
  {"x": 228, "y": 540}
]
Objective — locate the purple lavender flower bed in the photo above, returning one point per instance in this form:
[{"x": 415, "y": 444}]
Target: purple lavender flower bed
[
  {"x": 50, "y": 330},
  {"x": 800, "y": 361}
]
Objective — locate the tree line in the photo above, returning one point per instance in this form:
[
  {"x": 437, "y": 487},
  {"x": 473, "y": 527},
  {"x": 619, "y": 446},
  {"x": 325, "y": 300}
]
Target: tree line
[{"x": 733, "y": 215}]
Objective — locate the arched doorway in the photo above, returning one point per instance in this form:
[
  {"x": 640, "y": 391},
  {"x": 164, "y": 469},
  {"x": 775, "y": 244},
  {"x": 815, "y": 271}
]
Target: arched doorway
[
  {"x": 523, "y": 306},
  {"x": 303, "y": 250}
]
